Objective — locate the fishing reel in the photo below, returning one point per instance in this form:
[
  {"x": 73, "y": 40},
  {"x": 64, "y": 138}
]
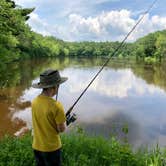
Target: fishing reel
[{"x": 70, "y": 118}]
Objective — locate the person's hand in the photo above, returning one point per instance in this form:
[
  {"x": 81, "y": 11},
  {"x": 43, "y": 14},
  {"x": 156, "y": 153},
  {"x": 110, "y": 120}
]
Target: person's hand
[{"x": 70, "y": 119}]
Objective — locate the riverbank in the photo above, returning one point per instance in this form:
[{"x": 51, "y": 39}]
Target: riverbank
[{"x": 81, "y": 150}]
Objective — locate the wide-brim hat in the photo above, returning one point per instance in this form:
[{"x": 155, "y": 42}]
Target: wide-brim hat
[{"x": 49, "y": 78}]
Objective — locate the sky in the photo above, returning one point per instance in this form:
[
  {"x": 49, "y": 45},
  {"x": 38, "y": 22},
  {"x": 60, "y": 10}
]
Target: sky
[{"x": 94, "y": 20}]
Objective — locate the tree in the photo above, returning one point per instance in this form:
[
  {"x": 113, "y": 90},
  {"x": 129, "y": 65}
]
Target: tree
[{"x": 161, "y": 46}]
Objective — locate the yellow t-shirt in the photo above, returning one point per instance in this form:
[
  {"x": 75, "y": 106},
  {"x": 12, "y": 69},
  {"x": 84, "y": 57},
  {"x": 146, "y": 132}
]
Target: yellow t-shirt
[{"x": 46, "y": 114}]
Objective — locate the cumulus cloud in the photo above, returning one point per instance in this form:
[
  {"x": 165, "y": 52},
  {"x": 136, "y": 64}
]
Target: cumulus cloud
[
  {"x": 43, "y": 27},
  {"x": 148, "y": 25},
  {"x": 114, "y": 25},
  {"x": 89, "y": 20},
  {"x": 38, "y": 24},
  {"x": 107, "y": 26}
]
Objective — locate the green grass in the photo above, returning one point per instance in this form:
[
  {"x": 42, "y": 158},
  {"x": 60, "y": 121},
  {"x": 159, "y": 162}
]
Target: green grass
[{"x": 80, "y": 149}]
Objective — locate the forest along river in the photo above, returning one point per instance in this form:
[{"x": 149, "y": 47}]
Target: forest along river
[{"x": 126, "y": 94}]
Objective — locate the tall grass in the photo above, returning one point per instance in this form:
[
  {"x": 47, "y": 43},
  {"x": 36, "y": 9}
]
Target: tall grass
[
  {"x": 16, "y": 151},
  {"x": 80, "y": 149}
]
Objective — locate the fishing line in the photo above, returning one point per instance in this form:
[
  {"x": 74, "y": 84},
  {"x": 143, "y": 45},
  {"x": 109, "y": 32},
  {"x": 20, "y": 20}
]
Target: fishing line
[{"x": 112, "y": 55}]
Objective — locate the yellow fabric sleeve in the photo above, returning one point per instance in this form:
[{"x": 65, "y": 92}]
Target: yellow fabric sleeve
[{"x": 60, "y": 116}]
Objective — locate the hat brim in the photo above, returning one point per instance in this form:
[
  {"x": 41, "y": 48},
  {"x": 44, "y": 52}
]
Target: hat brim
[{"x": 41, "y": 86}]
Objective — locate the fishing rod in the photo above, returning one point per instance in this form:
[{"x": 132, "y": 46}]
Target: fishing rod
[{"x": 71, "y": 118}]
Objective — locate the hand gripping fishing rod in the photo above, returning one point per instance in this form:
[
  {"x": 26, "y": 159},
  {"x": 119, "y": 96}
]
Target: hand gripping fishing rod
[{"x": 71, "y": 118}]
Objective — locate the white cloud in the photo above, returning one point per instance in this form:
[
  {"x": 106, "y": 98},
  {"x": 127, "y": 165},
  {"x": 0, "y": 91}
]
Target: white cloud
[
  {"x": 108, "y": 26},
  {"x": 88, "y": 20},
  {"x": 38, "y": 24},
  {"x": 148, "y": 25},
  {"x": 25, "y": 2},
  {"x": 114, "y": 25},
  {"x": 41, "y": 26}
]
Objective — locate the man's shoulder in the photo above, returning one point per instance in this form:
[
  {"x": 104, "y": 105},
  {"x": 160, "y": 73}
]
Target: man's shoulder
[
  {"x": 58, "y": 104},
  {"x": 43, "y": 99},
  {"x": 35, "y": 99}
]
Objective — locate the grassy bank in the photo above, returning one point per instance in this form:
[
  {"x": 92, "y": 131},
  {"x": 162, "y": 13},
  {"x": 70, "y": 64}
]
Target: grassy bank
[{"x": 81, "y": 150}]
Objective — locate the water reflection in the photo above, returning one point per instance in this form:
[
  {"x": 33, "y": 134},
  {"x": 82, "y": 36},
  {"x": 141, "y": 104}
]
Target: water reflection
[
  {"x": 24, "y": 116},
  {"x": 112, "y": 83},
  {"x": 118, "y": 96},
  {"x": 113, "y": 126}
]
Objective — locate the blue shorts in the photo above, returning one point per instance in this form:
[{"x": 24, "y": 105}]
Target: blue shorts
[{"x": 48, "y": 158}]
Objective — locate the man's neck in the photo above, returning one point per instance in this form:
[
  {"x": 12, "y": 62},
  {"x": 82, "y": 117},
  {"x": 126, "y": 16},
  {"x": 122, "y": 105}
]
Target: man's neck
[{"x": 46, "y": 93}]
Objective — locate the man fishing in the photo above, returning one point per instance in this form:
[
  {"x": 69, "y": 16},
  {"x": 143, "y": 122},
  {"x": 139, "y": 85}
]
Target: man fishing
[
  {"x": 48, "y": 115},
  {"x": 48, "y": 119}
]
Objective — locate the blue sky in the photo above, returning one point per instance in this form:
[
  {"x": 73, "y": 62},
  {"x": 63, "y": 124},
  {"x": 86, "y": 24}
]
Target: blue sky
[{"x": 94, "y": 20}]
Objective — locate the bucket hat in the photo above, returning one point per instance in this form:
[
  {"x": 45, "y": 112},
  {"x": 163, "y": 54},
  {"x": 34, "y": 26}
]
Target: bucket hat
[{"x": 49, "y": 78}]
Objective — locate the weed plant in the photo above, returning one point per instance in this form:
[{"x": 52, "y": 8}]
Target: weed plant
[{"x": 79, "y": 149}]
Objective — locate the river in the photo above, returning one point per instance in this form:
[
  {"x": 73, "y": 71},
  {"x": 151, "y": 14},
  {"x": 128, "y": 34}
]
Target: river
[{"x": 126, "y": 94}]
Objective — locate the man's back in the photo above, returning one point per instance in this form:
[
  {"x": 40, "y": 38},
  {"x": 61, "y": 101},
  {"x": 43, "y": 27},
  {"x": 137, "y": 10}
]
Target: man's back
[{"x": 46, "y": 114}]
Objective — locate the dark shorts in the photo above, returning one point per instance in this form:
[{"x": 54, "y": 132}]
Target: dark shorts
[{"x": 48, "y": 158}]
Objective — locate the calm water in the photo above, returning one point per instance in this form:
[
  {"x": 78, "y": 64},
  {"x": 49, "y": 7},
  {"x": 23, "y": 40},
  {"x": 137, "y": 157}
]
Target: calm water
[{"x": 125, "y": 94}]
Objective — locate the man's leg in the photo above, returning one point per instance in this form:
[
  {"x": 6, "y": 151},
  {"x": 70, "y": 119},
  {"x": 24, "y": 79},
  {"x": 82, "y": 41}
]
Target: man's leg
[
  {"x": 52, "y": 158},
  {"x": 39, "y": 159}
]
